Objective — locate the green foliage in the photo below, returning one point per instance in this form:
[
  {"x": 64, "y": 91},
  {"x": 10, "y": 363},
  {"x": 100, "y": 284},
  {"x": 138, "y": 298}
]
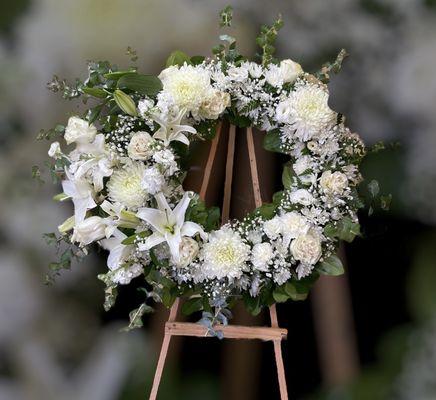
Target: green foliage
[
  {"x": 272, "y": 141},
  {"x": 177, "y": 57},
  {"x": 331, "y": 266},
  {"x": 226, "y": 16},
  {"x": 331, "y": 67},
  {"x": 345, "y": 229},
  {"x": 266, "y": 40},
  {"x": 287, "y": 176},
  {"x": 192, "y": 305},
  {"x": 209, "y": 218},
  {"x": 296, "y": 290},
  {"x": 148, "y": 85},
  {"x": 52, "y": 133},
  {"x": 136, "y": 315}
]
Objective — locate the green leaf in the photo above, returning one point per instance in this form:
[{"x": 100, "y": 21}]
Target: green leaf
[
  {"x": 125, "y": 102},
  {"x": 272, "y": 142},
  {"x": 344, "y": 229},
  {"x": 133, "y": 238},
  {"x": 149, "y": 85},
  {"x": 136, "y": 315},
  {"x": 280, "y": 295},
  {"x": 96, "y": 92},
  {"x": 114, "y": 76},
  {"x": 192, "y": 305},
  {"x": 296, "y": 292},
  {"x": 226, "y": 16},
  {"x": 266, "y": 210},
  {"x": 385, "y": 202},
  {"x": 178, "y": 57},
  {"x": 287, "y": 177},
  {"x": 331, "y": 266},
  {"x": 196, "y": 60}
]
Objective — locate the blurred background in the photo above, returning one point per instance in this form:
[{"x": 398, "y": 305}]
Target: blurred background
[{"x": 369, "y": 335}]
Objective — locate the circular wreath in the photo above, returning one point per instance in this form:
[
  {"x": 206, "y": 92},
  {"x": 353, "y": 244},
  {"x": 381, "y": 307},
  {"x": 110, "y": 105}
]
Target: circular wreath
[{"x": 125, "y": 178}]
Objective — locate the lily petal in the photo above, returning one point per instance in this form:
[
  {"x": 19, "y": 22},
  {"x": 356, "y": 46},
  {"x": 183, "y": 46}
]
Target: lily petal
[
  {"x": 180, "y": 210},
  {"x": 156, "y": 218},
  {"x": 152, "y": 241},
  {"x": 191, "y": 228}
]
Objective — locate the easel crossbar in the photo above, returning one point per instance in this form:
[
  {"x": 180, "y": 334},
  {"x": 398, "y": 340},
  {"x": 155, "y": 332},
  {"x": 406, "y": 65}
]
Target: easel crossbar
[{"x": 229, "y": 331}]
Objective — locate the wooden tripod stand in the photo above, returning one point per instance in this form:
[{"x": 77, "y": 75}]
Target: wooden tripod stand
[{"x": 272, "y": 333}]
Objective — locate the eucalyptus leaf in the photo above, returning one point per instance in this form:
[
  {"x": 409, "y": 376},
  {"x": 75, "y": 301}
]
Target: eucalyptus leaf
[{"x": 374, "y": 188}]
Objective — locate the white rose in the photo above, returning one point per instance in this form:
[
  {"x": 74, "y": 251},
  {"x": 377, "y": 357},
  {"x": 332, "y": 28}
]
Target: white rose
[
  {"x": 283, "y": 111},
  {"x": 294, "y": 224},
  {"x": 290, "y": 70},
  {"x": 90, "y": 230},
  {"x": 139, "y": 147},
  {"x": 302, "y": 164},
  {"x": 307, "y": 248},
  {"x": 273, "y": 227},
  {"x": 214, "y": 104},
  {"x": 273, "y": 76},
  {"x": 55, "y": 150},
  {"x": 301, "y": 196},
  {"x": 188, "y": 251},
  {"x": 261, "y": 255},
  {"x": 238, "y": 74},
  {"x": 79, "y": 131},
  {"x": 152, "y": 180},
  {"x": 333, "y": 182}
]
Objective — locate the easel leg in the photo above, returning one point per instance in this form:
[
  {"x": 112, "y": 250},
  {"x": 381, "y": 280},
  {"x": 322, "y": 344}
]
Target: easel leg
[
  {"x": 279, "y": 356},
  {"x": 163, "y": 353}
]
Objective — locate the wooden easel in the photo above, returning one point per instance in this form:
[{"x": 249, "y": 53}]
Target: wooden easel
[{"x": 272, "y": 333}]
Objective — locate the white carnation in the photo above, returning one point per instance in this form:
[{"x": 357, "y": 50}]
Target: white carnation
[
  {"x": 273, "y": 227},
  {"x": 333, "y": 182},
  {"x": 125, "y": 186},
  {"x": 261, "y": 255},
  {"x": 152, "y": 180},
  {"x": 140, "y": 146},
  {"x": 306, "y": 112},
  {"x": 55, "y": 150},
  {"x": 124, "y": 274},
  {"x": 187, "y": 85},
  {"x": 79, "y": 131},
  {"x": 302, "y": 164},
  {"x": 301, "y": 196},
  {"x": 290, "y": 70},
  {"x": 225, "y": 255},
  {"x": 307, "y": 248},
  {"x": 254, "y": 69},
  {"x": 293, "y": 225}
]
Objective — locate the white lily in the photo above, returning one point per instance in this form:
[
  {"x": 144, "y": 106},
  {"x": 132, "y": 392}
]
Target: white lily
[
  {"x": 82, "y": 195},
  {"x": 169, "y": 225},
  {"x": 171, "y": 129}
]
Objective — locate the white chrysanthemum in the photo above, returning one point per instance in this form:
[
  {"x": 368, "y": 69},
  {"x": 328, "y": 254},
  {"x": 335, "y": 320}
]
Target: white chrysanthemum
[
  {"x": 187, "y": 85},
  {"x": 306, "y": 111},
  {"x": 224, "y": 255},
  {"x": 125, "y": 186},
  {"x": 153, "y": 181},
  {"x": 273, "y": 227},
  {"x": 261, "y": 255}
]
